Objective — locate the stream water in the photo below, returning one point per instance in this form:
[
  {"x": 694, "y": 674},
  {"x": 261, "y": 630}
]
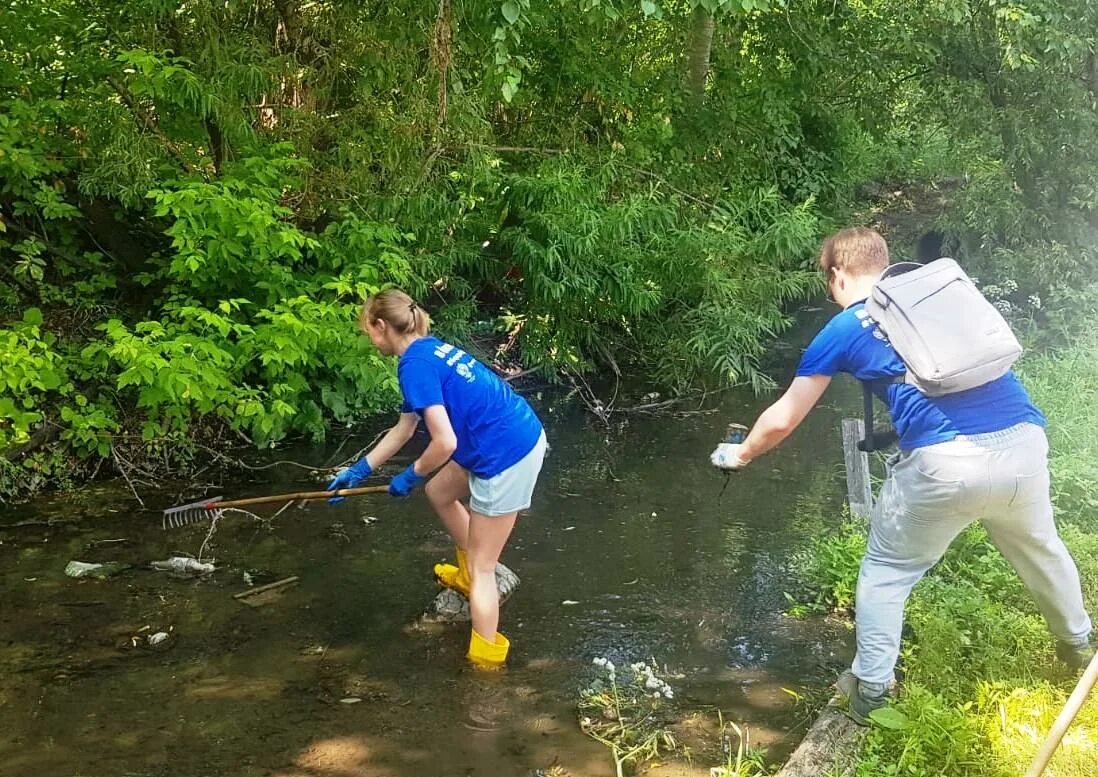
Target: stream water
[{"x": 630, "y": 552}]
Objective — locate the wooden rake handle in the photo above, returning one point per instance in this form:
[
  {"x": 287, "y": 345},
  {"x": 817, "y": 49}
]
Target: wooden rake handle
[
  {"x": 266, "y": 500},
  {"x": 1063, "y": 720}
]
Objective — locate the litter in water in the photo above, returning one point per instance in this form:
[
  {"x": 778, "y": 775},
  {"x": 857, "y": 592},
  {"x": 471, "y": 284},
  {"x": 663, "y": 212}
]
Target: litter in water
[
  {"x": 80, "y": 569},
  {"x": 183, "y": 566}
]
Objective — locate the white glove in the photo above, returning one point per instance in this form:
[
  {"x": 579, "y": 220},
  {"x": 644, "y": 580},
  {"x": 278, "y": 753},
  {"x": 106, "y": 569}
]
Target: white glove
[{"x": 727, "y": 457}]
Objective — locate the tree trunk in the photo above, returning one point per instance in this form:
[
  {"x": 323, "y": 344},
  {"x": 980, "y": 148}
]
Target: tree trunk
[
  {"x": 293, "y": 38},
  {"x": 697, "y": 51},
  {"x": 217, "y": 144},
  {"x": 1092, "y": 73},
  {"x": 287, "y": 26}
]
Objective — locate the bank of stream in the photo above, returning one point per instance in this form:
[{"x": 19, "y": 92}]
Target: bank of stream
[{"x": 631, "y": 552}]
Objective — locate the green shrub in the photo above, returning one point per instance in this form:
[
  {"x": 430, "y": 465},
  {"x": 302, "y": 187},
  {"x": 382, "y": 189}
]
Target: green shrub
[
  {"x": 32, "y": 376},
  {"x": 828, "y": 569},
  {"x": 941, "y": 737}
]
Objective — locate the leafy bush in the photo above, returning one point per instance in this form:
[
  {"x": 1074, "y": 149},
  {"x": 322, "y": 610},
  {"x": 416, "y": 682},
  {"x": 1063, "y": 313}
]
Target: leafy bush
[
  {"x": 1064, "y": 387},
  {"x": 940, "y": 737},
  {"x": 634, "y": 278},
  {"x": 828, "y": 570},
  {"x": 31, "y": 370},
  {"x": 197, "y": 201}
]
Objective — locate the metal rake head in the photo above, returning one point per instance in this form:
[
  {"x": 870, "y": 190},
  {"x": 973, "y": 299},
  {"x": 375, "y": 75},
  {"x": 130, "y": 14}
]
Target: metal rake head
[{"x": 196, "y": 512}]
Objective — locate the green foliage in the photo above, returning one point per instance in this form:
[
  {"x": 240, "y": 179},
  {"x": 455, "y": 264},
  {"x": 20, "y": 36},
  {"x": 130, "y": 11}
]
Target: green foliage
[
  {"x": 739, "y": 761},
  {"x": 32, "y": 375},
  {"x": 197, "y": 198},
  {"x": 1064, "y": 387},
  {"x": 279, "y": 359},
  {"x": 232, "y": 233},
  {"x": 629, "y": 279},
  {"x": 939, "y": 738},
  {"x": 828, "y": 570}
]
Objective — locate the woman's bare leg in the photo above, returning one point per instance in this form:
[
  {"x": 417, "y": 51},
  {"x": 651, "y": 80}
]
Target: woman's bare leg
[
  {"x": 445, "y": 492},
  {"x": 487, "y": 536}
]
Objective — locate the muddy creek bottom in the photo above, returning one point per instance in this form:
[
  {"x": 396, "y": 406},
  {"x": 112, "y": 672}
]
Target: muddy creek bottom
[{"x": 626, "y": 554}]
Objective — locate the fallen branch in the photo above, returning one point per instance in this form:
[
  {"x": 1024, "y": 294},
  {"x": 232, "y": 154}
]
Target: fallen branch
[
  {"x": 126, "y": 475},
  {"x": 590, "y": 400},
  {"x": 516, "y": 149},
  {"x": 520, "y": 374},
  {"x": 42, "y": 436},
  {"x": 253, "y": 467},
  {"x": 362, "y": 451},
  {"x": 25, "y": 524},
  {"x": 264, "y": 588}
]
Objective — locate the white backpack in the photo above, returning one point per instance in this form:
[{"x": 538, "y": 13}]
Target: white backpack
[
  {"x": 949, "y": 336},
  {"x": 947, "y": 333}
]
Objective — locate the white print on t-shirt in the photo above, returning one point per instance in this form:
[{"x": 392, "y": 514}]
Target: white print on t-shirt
[
  {"x": 465, "y": 370},
  {"x": 867, "y": 322}
]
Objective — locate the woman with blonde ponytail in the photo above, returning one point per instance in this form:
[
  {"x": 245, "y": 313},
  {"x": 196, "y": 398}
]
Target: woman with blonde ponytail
[{"x": 486, "y": 443}]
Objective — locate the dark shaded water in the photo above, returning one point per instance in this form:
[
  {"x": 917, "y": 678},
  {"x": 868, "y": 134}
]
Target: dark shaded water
[{"x": 627, "y": 554}]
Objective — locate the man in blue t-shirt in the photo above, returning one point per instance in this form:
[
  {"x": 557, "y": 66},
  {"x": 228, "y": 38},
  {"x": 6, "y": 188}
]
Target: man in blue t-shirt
[{"x": 976, "y": 455}]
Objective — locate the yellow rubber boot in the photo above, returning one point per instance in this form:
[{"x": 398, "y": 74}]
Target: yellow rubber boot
[
  {"x": 485, "y": 654},
  {"x": 457, "y": 577}
]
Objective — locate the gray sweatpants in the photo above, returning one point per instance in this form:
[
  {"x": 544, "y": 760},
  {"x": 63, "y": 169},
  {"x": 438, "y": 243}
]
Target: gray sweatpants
[{"x": 931, "y": 494}]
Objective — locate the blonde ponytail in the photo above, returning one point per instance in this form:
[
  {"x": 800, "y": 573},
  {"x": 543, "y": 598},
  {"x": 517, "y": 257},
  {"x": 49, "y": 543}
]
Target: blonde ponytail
[{"x": 398, "y": 310}]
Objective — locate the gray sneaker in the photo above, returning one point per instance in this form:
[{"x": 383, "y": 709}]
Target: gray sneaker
[
  {"x": 1077, "y": 657},
  {"x": 861, "y": 700}
]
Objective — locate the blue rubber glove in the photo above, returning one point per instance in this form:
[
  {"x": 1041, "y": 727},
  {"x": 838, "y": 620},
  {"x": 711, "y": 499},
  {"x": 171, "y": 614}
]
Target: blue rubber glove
[
  {"x": 349, "y": 478},
  {"x": 404, "y": 483}
]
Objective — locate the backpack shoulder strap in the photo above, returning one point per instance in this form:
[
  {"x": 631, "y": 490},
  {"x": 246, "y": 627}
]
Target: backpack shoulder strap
[
  {"x": 899, "y": 268},
  {"x": 874, "y": 440},
  {"x": 867, "y": 410}
]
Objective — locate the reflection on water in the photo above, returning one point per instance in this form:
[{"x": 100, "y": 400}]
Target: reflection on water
[{"x": 626, "y": 554}]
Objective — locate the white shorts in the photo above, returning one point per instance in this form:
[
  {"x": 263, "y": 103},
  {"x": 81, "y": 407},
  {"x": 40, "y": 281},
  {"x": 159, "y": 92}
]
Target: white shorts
[{"x": 510, "y": 490}]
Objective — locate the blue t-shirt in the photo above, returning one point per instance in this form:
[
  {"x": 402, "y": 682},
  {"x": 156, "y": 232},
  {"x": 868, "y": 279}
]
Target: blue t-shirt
[
  {"x": 495, "y": 427},
  {"x": 851, "y": 343}
]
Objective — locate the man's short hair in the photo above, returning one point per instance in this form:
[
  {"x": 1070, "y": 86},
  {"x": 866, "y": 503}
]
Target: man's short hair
[{"x": 857, "y": 251}]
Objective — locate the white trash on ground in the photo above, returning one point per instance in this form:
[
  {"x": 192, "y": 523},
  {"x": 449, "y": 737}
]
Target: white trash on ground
[{"x": 183, "y": 566}]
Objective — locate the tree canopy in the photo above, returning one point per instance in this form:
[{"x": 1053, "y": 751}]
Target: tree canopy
[{"x": 196, "y": 197}]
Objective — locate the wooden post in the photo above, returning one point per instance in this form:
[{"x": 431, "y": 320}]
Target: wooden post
[{"x": 859, "y": 493}]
